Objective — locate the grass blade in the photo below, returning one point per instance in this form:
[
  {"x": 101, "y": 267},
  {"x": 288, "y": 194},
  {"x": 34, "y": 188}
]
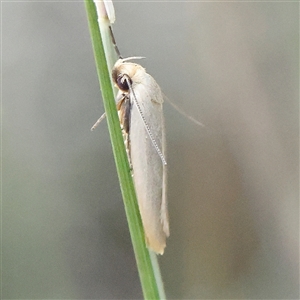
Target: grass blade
[{"x": 145, "y": 268}]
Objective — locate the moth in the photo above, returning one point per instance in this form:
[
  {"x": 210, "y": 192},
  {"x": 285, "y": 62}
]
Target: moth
[{"x": 140, "y": 108}]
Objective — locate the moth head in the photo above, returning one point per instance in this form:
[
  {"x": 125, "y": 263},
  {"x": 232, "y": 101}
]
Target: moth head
[
  {"x": 122, "y": 81},
  {"x": 123, "y": 73}
]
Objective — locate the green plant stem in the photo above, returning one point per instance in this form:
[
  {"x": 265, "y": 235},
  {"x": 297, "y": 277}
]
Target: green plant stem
[{"x": 145, "y": 269}]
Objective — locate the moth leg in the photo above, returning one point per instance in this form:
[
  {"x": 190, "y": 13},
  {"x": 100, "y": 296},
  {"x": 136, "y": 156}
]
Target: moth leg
[
  {"x": 124, "y": 111},
  {"x": 119, "y": 103},
  {"x": 98, "y": 121},
  {"x": 127, "y": 146}
]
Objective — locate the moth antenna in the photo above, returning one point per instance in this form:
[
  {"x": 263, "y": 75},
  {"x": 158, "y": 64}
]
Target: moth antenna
[
  {"x": 182, "y": 112},
  {"x": 152, "y": 139},
  {"x": 114, "y": 42},
  {"x": 132, "y": 57}
]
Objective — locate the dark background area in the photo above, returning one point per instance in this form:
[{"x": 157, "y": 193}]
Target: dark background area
[{"x": 233, "y": 184}]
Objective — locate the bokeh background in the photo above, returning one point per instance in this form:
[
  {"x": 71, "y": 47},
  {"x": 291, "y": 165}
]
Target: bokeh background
[{"x": 233, "y": 184}]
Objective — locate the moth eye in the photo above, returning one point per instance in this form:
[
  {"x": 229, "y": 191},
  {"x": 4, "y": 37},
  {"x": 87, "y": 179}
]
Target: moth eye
[{"x": 122, "y": 83}]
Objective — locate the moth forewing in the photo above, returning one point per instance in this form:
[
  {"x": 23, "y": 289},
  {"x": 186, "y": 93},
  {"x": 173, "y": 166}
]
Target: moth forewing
[{"x": 149, "y": 172}]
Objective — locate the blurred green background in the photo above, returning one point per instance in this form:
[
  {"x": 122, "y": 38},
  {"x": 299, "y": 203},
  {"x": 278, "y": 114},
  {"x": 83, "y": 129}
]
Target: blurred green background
[{"x": 233, "y": 184}]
